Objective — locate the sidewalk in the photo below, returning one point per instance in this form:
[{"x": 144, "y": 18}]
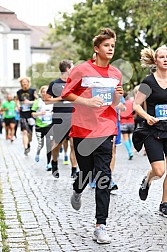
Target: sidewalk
[{"x": 39, "y": 216}]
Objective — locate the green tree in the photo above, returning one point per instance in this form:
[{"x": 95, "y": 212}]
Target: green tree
[
  {"x": 65, "y": 48},
  {"x": 136, "y": 23},
  {"x": 149, "y": 19},
  {"x": 40, "y": 74}
]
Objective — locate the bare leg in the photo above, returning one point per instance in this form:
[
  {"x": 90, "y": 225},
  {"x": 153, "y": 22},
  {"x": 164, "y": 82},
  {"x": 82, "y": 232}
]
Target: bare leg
[
  {"x": 55, "y": 151},
  {"x": 65, "y": 147},
  {"x": 157, "y": 171},
  {"x": 12, "y": 131},
  {"x": 25, "y": 138}
]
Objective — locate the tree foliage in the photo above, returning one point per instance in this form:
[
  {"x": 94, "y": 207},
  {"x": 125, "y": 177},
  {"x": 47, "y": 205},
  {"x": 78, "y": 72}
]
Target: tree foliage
[
  {"x": 39, "y": 74},
  {"x": 137, "y": 23},
  {"x": 42, "y": 74}
]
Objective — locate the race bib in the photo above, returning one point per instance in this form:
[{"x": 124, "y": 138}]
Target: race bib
[
  {"x": 161, "y": 111},
  {"x": 25, "y": 107},
  {"x": 9, "y": 113},
  {"x": 47, "y": 118},
  {"x": 106, "y": 93}
]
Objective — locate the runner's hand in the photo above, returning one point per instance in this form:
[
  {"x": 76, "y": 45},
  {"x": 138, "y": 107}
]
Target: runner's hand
[
  {"x": 95, "y": 101},
  {"x": 151, "y": 120},
  {"x": 119, "y": 91}
]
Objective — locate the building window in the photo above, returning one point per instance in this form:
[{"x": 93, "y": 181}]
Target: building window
[
  {"x": 15, "y": 44},
  {"x": 16, "y": 70}
]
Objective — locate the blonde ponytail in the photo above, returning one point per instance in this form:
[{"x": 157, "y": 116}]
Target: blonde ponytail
[{"x": 147, "y": 57}]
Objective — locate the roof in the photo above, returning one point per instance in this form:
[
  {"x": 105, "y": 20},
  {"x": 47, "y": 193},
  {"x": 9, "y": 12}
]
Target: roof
[
  {"x": 2, "y": 10},
  {"x": 38, "y": 33},
  {"x": 10, "y": 19}
]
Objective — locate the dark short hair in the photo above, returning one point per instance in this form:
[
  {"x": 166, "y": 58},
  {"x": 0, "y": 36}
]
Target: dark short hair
[
  {"x": 105, "y": 33},
  {"x": 64, "y": 64}
]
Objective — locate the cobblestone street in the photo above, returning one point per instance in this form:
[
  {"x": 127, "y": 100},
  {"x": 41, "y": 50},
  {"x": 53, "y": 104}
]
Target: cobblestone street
[{"x": 39, "y": 216}]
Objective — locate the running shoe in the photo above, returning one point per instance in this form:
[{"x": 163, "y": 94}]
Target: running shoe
[
  {"x": 76, "y": 200},
  {"x": 66, "y": 161},
  {"x": 143, "y": 191},
  {"x": 114, "y": 186},
  {"x": 49, "y": 167},
  {"x": 163, "y": 209},
  {"x": 55, "y": 174},
  {"x": 100, "y": 235},
  {"x": 92, "y": 184},
  {"x": 130, "y": 156},
  {"x": 26, "y": 151},
  {"x": 37, "y": 158}
]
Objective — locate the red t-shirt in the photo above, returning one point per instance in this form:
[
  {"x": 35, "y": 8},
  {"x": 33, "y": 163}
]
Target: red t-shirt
[
  {"x": 87, "y": 80},
  {"x": 127, "y": 115}
]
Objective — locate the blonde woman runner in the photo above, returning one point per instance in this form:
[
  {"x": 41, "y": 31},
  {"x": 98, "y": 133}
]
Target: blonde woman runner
[{"x": 154, "y": 90}]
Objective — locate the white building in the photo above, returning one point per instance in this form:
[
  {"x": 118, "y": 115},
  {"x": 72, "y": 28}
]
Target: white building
[{"x": 21, "y": 45}]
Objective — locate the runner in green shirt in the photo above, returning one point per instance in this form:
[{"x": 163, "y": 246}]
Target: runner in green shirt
[
  {"x": 8, "y": 108},
  {"x": 43, "y": 124}
]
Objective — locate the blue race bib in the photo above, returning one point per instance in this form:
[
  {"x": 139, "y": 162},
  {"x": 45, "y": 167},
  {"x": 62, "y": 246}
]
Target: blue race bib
[
  {"x": 47, "y": 118},
  {"x": 25, "y": 107},
  {"x": 106, "y": 93},
  {"x": 161, "y": 111}
]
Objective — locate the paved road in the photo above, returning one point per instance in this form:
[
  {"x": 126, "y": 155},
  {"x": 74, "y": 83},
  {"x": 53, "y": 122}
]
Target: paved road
[{"x": 39, "y": 216}]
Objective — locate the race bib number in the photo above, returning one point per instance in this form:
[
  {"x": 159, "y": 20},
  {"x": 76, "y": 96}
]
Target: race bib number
[
  {"x": 25, "y": 107},
  {"x": 47, "y": 118},
  {"x": 9, "y": 113},
  {"x": 161, "y": 111},
  {"x": 106, "y": 93}
]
